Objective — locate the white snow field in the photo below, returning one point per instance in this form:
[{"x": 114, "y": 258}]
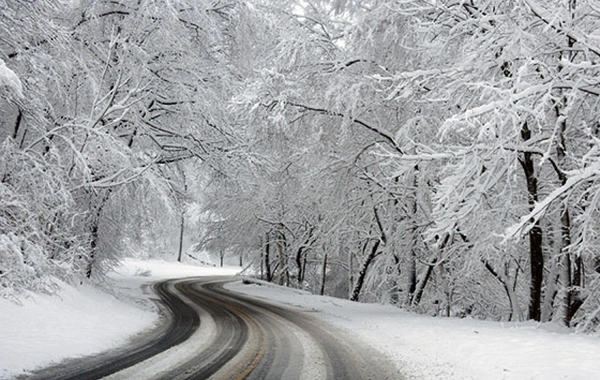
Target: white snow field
[{"x": 82, "y": 321}]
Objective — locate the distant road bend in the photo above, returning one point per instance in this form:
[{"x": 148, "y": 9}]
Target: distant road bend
[{"x": 216, "y": 334}]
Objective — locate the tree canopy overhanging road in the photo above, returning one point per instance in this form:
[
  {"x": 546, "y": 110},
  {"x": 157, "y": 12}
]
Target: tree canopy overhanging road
[
  {"x": 440, "y": 156},
  {"x": 212, "y": 333}
]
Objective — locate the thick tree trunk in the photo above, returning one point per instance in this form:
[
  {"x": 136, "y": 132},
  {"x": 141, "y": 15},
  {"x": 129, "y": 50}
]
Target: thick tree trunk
[
  {"x": 411, "y": 271},
  {"x": 573, "y": 265},
  {"x": 537, "y": 272},
  {"x": 536, "y": 255},
  {"x": 94, "y": 232},
  {"x": 551, "y": 290},
  {"x": 284, "y": 274},
  {"x": 93, "y": 246},
  {"x": 300, "y": 266},
  {"x": 567, "y": 278},
  {"x": 412, "y": 255}
]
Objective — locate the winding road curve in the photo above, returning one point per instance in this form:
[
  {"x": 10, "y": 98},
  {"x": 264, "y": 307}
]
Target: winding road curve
[{"x": 213, "y": 333}]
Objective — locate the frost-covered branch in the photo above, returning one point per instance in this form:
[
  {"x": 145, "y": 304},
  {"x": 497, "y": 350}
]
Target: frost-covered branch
[
  {"x": 575, "y": 178},
  {"x": 378, "y": 130},
  {"x": 540, "y": 13},
  {"x": 111, "y": 180}
]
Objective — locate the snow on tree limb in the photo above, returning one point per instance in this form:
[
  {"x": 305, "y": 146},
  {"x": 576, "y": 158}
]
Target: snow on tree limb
[
  {"x": 559, "y": 26},
  {"x": 9, "y": 79},
  {"x": 529, "y": 220},
  {"x": 378, "y": 130}
]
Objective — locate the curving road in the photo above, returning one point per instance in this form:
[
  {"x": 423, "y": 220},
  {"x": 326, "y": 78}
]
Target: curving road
[{"x": 216, "y": 334}]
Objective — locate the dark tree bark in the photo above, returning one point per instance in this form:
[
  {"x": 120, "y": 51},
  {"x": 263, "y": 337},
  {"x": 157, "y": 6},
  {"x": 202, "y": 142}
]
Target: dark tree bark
[
  {"x": 94, "y": 232},
  {"x": 17, "y": 125},
  {"x": 93, "y": 246},
  {"x": 362, "y": 274},
  {"x": 572, "y": 265},
  {"x": 323, "y": 275},
  {"x": 363, "y": 271},
  {"x": 181, "y": 230},
  {"x": 268, "y": 275},
  {"x": 300, "y": 257},
  {"x": 299, "y": 264},
  {"x": 536, "y": 255},
  {"x": 420, "y": 286}
]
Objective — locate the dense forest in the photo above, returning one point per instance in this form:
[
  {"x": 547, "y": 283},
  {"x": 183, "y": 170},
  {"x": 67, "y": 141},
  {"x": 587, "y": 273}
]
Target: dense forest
[{"x": 439, "y": 155}]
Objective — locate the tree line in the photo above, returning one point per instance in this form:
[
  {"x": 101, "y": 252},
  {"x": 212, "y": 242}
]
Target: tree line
[{"x": 437, "y": 155}]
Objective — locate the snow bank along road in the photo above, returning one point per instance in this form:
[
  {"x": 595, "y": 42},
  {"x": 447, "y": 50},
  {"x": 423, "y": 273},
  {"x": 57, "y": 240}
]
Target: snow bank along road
[{"x": 217, "y": 334}]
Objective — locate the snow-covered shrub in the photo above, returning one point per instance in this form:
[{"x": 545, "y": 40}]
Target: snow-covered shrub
[{"x": 38, "y": 237}]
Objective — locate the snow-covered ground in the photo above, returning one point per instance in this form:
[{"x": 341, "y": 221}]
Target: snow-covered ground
[
  {"x": 84, "y": 320},
  {"x": 451, "y": 349}
]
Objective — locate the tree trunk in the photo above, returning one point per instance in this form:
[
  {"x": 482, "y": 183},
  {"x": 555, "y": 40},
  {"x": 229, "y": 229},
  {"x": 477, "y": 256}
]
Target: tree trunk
[
  {"x": 516, "y": 312},
  {"x": 94, "y": 232},
  {"x": 420, "y": 287},
  {"x": 537, "y": 272},
  {"x": 351, "y": 273},
  {"x": 370, "y": 257},
  {"x": 573, "y": 265},
  {"x": 181, "y": 230},
  {"x": 411, "y": 271},
  {"x": 282, "y": 258},
  {"x": 415, "y": 297},
  {"x": 363, "y": 271},
  {"x": 17, "y": 125},
  {"x": 180, "y": 201},
  {"x": 301, "y": 257},
  {"x": 304, "y": 259},
  {"x": 323, "y": 275},
  {"x": 93, "y": 246},
  {"x": 268, "y": 276},
  {"x": 262, "y": 266},
  {"x": 536, "y": 255},
  {"x": 551, "y": 290},
  {"x": 299, "y": 264},
  {"x": 412, "y": 255}
]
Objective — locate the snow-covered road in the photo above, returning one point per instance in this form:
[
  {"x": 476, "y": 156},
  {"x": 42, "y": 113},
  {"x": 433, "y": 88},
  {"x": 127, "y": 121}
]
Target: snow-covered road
[{"x": 84, "y": 321}]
